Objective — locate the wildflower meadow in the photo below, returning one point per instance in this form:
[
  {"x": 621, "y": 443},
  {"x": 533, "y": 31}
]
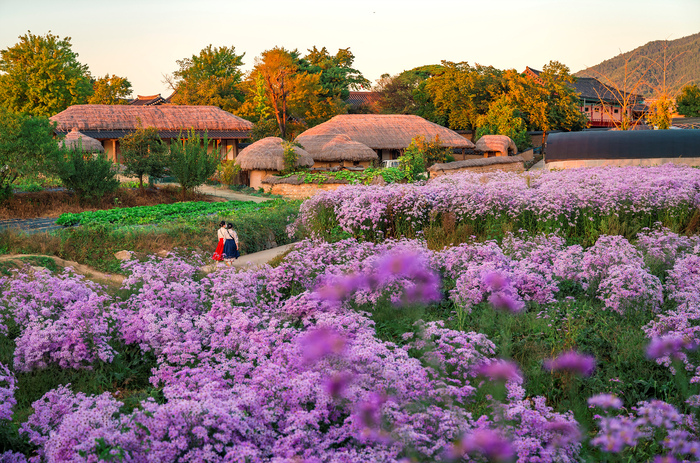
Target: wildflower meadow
[{"x": 550, "y": 340}]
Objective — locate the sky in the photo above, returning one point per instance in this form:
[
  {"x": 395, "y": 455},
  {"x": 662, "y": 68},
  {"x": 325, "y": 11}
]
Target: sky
[{"x": 142, "y": 39}]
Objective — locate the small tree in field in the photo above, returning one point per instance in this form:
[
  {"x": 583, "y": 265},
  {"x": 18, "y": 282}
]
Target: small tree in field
[
  {"x": 144, "y": 153},
  {"x": 26, "y": 145},
  {"x": 90, "y": 176},
  {"x": 190, "y": 161}
]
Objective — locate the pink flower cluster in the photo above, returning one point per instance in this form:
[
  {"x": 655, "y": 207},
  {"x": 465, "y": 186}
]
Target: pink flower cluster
[
  {"x": 7, "y": 392},
  {"x": 568, "y": 198}
]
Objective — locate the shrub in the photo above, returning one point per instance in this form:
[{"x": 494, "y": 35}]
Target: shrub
[
  {"x": 228, "y": 172},
  {"x": 143, "y": 153},
  {"x": 90, "y": 176},
  {"x": 190, "y": 161}
]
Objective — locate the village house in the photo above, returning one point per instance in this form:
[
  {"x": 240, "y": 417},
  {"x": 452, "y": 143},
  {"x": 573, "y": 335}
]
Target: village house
[
  {"x": 332, "y": 150},
  {"x": 266, "y": 157},
  {"x": 387, "y": 134},
  {"x": 108, "y": 123},
  {"x": 601, "y": 104}
]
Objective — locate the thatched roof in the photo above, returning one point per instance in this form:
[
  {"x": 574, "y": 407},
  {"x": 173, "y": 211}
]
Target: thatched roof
[
  {"x": 74, "y": 139},
  {"x": 499, "y": 143},
  {"x": 387, "y": 131},
  {"x": 475, "y": 163},
  {"x": 335, "y": 148},
  {"x": 268, "y": 154},
  {"x": 171, "y": 118}
]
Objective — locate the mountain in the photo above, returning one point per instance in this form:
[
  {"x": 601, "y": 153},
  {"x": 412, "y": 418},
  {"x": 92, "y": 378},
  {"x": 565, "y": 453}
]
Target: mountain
[{"x": 684, "y": 68}]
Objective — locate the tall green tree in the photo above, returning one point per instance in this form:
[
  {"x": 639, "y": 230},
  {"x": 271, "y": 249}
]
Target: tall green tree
[
  {"x": 27, "y": 145},
  {"x": 144, "y": 153},
  {"x": 688, "y": 101},
  {"x": 110, "y": 90},
  {"x": 462, "y": 92},
  {"x": 191, "y": 162},
  {"x": 406, "y": 93},
  {"x": 41, "y": 75},
  {"x": 213, "y": 77},
  {"x": 503, "y": 119},
  {"x": 337, "y": 76}
]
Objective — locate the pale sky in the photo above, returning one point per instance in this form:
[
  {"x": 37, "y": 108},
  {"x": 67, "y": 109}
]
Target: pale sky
[{"x": 142, "y": 39}]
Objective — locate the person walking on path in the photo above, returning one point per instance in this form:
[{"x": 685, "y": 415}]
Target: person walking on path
[
  {"x": 231, "y": 244},
  {"x": 221, "y": 234}
]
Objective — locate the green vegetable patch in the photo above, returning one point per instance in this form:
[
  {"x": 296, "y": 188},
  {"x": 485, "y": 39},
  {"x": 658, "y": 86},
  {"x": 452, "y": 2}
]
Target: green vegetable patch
[{"x": 163, "y": 212}]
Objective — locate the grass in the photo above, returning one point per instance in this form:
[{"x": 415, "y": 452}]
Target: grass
[{"x": 96, "y": 246}]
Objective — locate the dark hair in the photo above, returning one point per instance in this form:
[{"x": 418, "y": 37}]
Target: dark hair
[
  {"x": 222, "y": 223},
  {"x": 229, "y": 225}
]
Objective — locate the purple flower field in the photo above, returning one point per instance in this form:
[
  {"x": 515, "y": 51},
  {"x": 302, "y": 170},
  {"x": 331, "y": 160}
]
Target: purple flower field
[
  {"x": 288, "y": 364},
  {"x": 582, "y": 202},
  {"x": 541, "y": 346}
]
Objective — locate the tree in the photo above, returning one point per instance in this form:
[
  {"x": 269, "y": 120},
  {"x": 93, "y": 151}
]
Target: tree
[
  {"x": 41, "y": 75},
  {"x": 406, "y": 93},
  {"x": 503, "y": 119},
  {"x": 337, "y": 76},
  {"x": 26, "y": 145},
  {"x": 461, "y": 93},
  {"x": 688, "y": 101},
  {"x": 144, "y": 153},
  {"x": 211, "y": 78},
  {"x": 90, "y": 175},
  {"x": 659, "y": 114},
  {"x": 190, "y": 161},
  {"x": 288, "y": 92},
  {"x": 110, "y": 90}
]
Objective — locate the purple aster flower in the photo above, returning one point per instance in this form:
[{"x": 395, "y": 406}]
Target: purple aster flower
[
  {"x": 501, "y": 370},
  {"x": 605, "y": 401},
  {"x": 487, "y": 443},
  {"x": 665, "y": 459},
  {"x": 321, "y": 342},
  {"x": 506, "y": 302},
  {"x": 572, "y": 361},
  {"x": 668, "y": 346}
]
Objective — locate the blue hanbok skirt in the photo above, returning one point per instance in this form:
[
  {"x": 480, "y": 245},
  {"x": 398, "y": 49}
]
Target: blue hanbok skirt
[{"x": 230, "y": 250}]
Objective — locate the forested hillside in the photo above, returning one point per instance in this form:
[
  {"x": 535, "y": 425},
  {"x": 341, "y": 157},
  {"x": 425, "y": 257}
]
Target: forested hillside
[{"x": 683, "y": 55}]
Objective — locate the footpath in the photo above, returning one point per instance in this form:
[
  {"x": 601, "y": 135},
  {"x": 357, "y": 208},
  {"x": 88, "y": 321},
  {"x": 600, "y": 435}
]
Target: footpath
[{"x": 254, "y": 259}]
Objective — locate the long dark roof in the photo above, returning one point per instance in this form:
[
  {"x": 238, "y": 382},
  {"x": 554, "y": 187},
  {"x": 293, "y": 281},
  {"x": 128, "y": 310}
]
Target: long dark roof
[{"x": 616, "y": 144}]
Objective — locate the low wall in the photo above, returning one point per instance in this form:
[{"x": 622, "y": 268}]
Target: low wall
[
  {"x": 483, "y": 165},
  {"x": 647, "y": 162},
  {"x": 302, "y": 191}
]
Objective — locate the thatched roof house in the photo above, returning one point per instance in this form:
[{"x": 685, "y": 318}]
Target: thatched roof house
[
  {"x": 498, "y": 145},
  {"x": 75, "y": 139},
  {"x": 108, "y": 123},
  {"x": 332, "y": 150},
  {"x": 266, "y": 157},
  {"x": 387, "y": 134}
]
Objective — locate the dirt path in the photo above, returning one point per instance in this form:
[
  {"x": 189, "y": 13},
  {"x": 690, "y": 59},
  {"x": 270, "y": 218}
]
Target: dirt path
[
  {"x": 89, "y": 272},
  {"x": 224, "y": 193},
  {"x": 254, "y": 259}
]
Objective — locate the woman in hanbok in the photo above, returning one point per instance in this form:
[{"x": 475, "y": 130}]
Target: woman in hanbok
[
  {"x": 221, "y": 234},
  {"x": 230, "y": 244}
]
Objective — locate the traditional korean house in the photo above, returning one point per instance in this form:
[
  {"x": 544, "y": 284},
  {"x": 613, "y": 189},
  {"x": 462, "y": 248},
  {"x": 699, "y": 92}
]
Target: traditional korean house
[
  {"x": 266, "y": 157},
  {"x": 150, "y": 100},
  {"x": 108, "y": 123},
  {"x": 601, "y": 103},
  {"x": 337, "y": 151},
  {"x": 387, "y": 134}
]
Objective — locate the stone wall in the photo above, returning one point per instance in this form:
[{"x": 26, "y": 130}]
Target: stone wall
[
  {"x": 479, "y": 166},
  {"x": 302, "y": 191}
]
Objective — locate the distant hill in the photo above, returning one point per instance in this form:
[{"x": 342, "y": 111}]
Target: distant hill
[{"x": 685, "y": 68}]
